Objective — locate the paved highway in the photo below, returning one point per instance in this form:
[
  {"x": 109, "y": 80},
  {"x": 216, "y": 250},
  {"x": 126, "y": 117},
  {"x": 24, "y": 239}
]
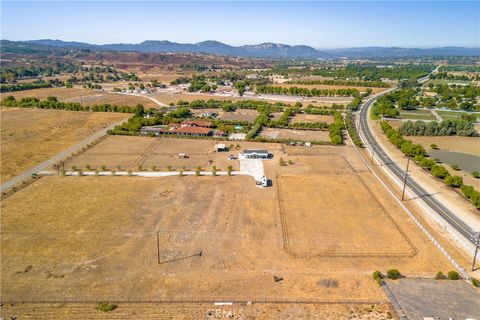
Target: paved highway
[
  {"x": 430, "y": 201},
  {"x": 59, "y": 157}
]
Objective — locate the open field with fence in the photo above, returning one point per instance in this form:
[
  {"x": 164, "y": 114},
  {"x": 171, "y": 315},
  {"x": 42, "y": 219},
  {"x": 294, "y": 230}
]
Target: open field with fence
[{"x": 30, "y": 136}]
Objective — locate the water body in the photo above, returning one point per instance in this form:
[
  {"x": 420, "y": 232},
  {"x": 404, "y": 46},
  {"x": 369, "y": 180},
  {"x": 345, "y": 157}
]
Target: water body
[{"x": 466, "y": 162}]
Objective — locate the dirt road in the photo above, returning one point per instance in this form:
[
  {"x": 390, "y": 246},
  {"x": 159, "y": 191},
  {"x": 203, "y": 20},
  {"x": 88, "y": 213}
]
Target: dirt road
[{"x": 59, "y": 157}]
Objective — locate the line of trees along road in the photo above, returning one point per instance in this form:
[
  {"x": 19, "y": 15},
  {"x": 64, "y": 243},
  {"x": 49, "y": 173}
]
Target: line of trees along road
[
  {"x": 421, "y": 158},
  {"x": 442, "y": 128},
  {"x": 297, "y": 91}
]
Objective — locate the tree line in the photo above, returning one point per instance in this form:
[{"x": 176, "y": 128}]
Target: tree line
[
  {"x": 297, "y": 91},
  {"x": 337, "y": 82},
  {"x": 442, "y": 128},
  {"x": 53, "y": 103},
  {"x": 419, "y": 155},
  {"x": 24, "y": 86}
]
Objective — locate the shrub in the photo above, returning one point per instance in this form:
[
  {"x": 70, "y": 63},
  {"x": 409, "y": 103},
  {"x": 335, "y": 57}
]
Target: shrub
[
  {"x": 181, "y": 173},
  {"x": 454, "y": 181},
  {"x": 229, "y": 170},
  {"x": 103, "y": 167},
  {"x": 129, "y": 172},
  {"x": 440, "y": 276},
  {"x": 154, "y": 168},
  {"x": 427, "y": 163},
  {"x": 476, "y": 174},
  {"x": 139, "y": 168},
  {"x": 377, "y": 276},
  {"x": 282, "y": 162},
  {"x": 88, "y": 167},
  {"x": 197, "y": 171},
  {"x": 467, "y": 191},
  {"x": 169, "y": 168},
  {"x": 106, "y": 307},
  {"x": 434, "y": 146},
  {"x": 455, "y": 167},
  {"x": 453, "y": 275},
  {"x": 476, "y": 282},
  {"x": 393, "y": 274},
  {"x": 439, "y": 171}
]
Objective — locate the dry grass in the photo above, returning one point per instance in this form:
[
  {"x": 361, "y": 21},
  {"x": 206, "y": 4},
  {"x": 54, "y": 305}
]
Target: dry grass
[
  {"x": 131, "y": 152},
  {"x": 85, "y": 96},
  {"x": 176, "y": 311},
  {"x": 311, "y": 118},
  {"x": 470, "y": 145},
  {"x": 98, "y": 234},
  {"x": 30, "y": 136},
  {"x": 305, "y": 135},
  {"x": 334, "y": 218}
]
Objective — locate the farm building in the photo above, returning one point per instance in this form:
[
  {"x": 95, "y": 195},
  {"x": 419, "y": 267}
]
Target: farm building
[
  {"x": 256, "y": 154},
  {"x": 219, "y": 147}
]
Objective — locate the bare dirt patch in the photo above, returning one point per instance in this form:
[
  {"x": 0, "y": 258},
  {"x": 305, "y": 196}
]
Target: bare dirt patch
[
  {"x": 305, "y": 135},
  {"x": 30, "y": 136},
  {"x": 98, "y": 235},
  {"x": 343, "y": 222},
  {"x": 119, "y": 152},
  {"x": 301, "y": 117}
]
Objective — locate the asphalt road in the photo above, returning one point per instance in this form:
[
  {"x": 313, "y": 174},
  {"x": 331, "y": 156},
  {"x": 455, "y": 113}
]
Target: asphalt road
[
  {"x": 57, "y": 158},
  {"x": 430, "y": 201}
]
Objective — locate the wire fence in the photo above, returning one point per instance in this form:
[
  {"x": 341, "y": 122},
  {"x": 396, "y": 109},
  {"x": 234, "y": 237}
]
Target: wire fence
[{"x": 213, "y": 300}]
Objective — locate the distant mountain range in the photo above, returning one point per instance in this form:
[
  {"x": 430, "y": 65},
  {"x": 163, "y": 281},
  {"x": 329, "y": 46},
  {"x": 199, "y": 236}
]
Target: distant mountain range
[{"x": 263, "y": 50}]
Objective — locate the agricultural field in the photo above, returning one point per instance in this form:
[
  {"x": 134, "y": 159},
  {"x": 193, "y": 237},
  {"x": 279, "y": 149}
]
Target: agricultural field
[
  {"x": 85, "y": 96},
  {"x": 30, "y": 136},
  {"x": 303, "y": 135},
  {"x": 98, "y": 235},
  {"x": 130, "y": 153}
]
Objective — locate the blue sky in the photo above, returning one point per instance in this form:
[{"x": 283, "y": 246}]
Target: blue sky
[{"x": 320, "y": 24}]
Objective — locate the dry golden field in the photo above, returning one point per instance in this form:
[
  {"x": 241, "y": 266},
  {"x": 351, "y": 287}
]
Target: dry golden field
[
  {"x": 30, "y": 136},
  {"x": 85, "y": 96},
  {"x": 98, "y": 235},
  {"x": 183, "y": 311},
  {"x": 304, "y": 135}
]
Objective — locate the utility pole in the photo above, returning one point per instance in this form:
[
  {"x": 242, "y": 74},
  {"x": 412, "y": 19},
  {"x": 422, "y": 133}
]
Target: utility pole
[
  {"x": 373, "y": 154},
  {"x": 158, "y": 248},
  {"x": 476, "y": 241},
  {"x": 405, "y": 180}
]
